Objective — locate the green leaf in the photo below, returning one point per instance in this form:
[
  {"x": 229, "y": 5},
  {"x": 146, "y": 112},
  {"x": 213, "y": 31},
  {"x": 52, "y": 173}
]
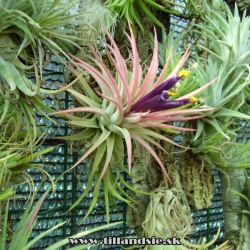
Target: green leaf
[
  {"x": 4, "y": 227},
  {"x": 84, "y": 123},
  {"x": 200, "y": 127},
  {"x": 83, "y": 99},
  {"x": 149, "y": 14},
  {"x": 25, "y": 226},
  {"x": 223, "y": 112},
  {"x": 85, "y": 134},
  {"x": 6, "y": 74},
  {"x": 41, "y": 236},
  {"x": 213, "y": 122},
  {"x": 98, "y": 158}
]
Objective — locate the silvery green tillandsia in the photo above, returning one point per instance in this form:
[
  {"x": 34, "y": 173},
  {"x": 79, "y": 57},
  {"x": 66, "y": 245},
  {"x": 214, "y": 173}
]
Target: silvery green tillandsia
[
  {"x": 129, "y": 105},
  {"x": 167, "y": 218},
  {"x": 31, "y": 32},
  {"x": 37, "y": 29},
  {"x": 228, "y": 59},
  {"x": 17, "y": 156}
]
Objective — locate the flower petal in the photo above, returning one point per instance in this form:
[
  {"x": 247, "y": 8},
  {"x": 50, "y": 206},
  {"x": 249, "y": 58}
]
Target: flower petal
[
  {"x": 148, "y": 104},
  {"x": 170, "y": 104},
  {"x": 168, "y": 84}
]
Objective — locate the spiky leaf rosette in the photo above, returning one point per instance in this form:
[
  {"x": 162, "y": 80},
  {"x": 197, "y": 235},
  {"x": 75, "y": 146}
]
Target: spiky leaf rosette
[
  {"x": 31, "y": 31},
  {"x": 228, "y": 58},
  {"x": 130, "y": 104},
  {"x": 167, "y": 218}
]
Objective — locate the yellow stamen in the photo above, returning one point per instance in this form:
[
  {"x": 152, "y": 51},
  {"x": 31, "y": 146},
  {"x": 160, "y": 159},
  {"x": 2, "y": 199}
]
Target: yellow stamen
[
  {"x": 172, "y": 92},
  {"x": 194, "y": 100},
  {"x": 183, "y": 73}
]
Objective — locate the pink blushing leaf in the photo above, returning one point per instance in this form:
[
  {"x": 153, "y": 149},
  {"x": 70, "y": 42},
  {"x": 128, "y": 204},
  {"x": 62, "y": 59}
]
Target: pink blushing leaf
[
  {"x": 110, "y": 147},
  {"x": 83, "y": 109},
  {"x": 35, "y": 211},
  {"x": 119, "y": 62},
  {"x": 105, "y": 134},
  {"x": 136, "y": 73},
  {"x": 150, "y": 150},
  {"x": 160, "y": 79},
  {"x": 142, "y": 114},
  {"x": 106, "y": 70},
  {"x": 117, "y": 54},
  {"x": 98, "y": 76},
  {"x": 123, "y": 80},
  {"x": 134, "y": 117},
  {"x": 160, "y": 125},
  {"x": 144, "y": 131},
  {"x": 152, "y": 141},
  {"x": 179, "y": 65},
  {"x": 146, "y": 86}
]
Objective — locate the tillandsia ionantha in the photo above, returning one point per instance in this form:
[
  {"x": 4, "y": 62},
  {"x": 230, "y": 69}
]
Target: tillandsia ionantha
[{"x": 128, "y": 105}]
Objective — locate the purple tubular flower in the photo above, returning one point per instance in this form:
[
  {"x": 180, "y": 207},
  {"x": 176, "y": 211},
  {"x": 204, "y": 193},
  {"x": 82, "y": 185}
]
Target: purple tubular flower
[
  {"x": 155, "y": 92},
  {"x": 169, "y": 104},
  {"x": 150, "y": 103},
  {"x": 147, "y": 104}
]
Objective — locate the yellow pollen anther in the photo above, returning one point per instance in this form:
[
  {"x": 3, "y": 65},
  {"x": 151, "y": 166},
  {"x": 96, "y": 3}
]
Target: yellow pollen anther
[
  {"x": 183, "y": 73},
  {"x": 194, "y": 100},
  {"x": 172, "y": 92}
]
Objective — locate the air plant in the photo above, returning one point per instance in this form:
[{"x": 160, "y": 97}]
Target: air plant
[
  {"x": 228, "y": 59},
  {"x": 17, "y": 156},
  {"x": 167, "y": 217},
  {"x": 30, "y": 32},
  {"x": 130, "y": 10},
  {"x": 127, "y": 106}
]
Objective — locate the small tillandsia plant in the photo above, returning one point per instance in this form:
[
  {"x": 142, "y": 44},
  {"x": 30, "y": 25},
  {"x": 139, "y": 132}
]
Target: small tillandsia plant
[
  {"x": 166, "y": 218},
  {"x": 214, "y": 141},
  {"x": 128, "y": 106}
]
